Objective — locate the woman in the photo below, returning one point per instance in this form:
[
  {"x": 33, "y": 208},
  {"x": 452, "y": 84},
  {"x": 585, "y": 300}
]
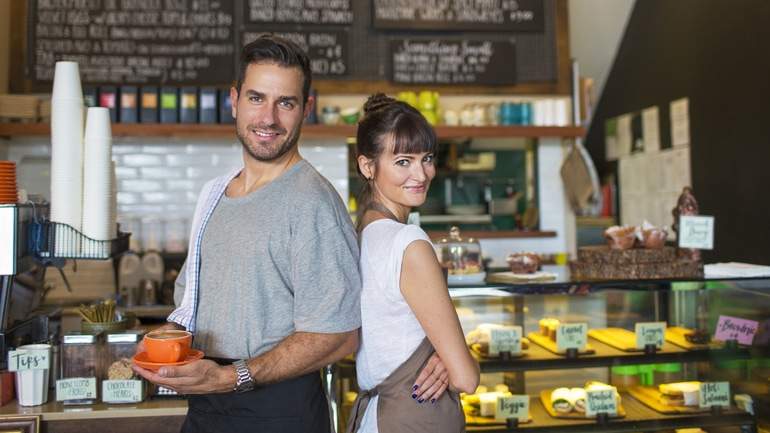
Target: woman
[{"x": 406, "y": 311}]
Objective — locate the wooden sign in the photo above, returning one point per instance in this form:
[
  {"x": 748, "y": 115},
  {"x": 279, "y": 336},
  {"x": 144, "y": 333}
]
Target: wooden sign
[
  {"x": 453, "y": 61},
  {"x": 327, "y": 49},
  {"x": 515, "y": 406},
  {"x": 601, "y": 401},
  {"x": 571, "y": 336},
  {"x": 492, "y": 16},
  {"x": 19, "y": 360},
  {"x": 505, "y": 340},
  {"x": 78, "y": 388},
  {"x": 650, "y": 333},
  {"x": 714, "y": 394},
  {"x": 133, "y": 42}
]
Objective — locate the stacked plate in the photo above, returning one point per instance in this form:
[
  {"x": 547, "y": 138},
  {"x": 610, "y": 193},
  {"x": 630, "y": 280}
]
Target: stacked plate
[{"x": 8, "y": 191}]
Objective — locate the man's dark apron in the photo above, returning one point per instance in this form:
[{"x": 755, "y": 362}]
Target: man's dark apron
[
  {"x": 397, "y": 412},
  {"x": 296, "y": 405}
]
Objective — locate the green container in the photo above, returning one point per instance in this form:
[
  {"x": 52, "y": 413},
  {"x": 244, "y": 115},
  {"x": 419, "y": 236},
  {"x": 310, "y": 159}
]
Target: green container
[
  {"x": 668, "y": 373},
  {"x": 647, "y": 374},
  {"x": 624, "y": 376}
]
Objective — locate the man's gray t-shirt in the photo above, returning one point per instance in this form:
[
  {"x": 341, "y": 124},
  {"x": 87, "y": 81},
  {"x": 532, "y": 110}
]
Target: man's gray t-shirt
[{"x": 281, "y": 259}]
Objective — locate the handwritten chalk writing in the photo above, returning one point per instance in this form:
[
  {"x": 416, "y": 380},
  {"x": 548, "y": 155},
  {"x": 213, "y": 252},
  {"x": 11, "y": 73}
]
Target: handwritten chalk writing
[
  {"x": 571, "y": 336},
  {"x": 714, "y": 394},
  {"x": 328, "y": 50},
  {"x": 328, "y": 12},
  {"x": 734, "y": 328},
  {"x": 19, "y": 360},
  {"x": 485, "y": 15}
]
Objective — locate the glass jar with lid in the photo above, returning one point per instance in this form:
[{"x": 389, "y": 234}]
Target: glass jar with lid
[
  {"x": 462, "y": 259},
  {"x": 82, "y": 365},
  {"x": 119, "y": 382}
]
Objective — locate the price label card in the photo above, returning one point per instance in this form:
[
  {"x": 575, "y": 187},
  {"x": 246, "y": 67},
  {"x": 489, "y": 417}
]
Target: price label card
[
  {"x": 571, "y": 336},
  {"x": 122, "y": 391},
  {"x": 507, "y": 339},
  {"x": 601, "y": 401},
  {"x": 19, "y": 360},
  {"x": 77, "y": 388},
  {"x": 696, "y": 231},
  {"x": 650, "y": 333},
  {"x": 515, "y": 406},
  {"x": 714, "y": 394},
  {"x": 735, "y": 328}
]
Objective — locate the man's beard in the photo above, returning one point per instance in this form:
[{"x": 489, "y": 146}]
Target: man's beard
[{"x": 271, "y": 154}]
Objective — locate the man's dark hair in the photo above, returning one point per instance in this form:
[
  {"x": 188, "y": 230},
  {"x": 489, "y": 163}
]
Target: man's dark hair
[{"x": 268, "y": 48}]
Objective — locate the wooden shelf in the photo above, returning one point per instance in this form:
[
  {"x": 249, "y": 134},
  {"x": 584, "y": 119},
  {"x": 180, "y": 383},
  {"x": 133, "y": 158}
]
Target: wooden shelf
[
  {"x": 308, "y": 131},
  {"x": 492, "y": 234}
]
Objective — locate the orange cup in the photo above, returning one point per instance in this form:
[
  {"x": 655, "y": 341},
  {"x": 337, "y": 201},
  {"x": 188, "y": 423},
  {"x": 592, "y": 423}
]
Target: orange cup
[{"x": 167, "y": 346}]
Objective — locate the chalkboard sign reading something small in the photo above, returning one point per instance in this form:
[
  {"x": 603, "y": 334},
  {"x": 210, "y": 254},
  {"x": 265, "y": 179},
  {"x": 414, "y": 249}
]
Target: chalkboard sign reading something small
[
  {"x": 330, "y": 12},
  {"x": 459, "y": 15},
  {"x": 453, "y": 61},
  {"x": 327, "y": 49},
  {"x": 134, "y": 41}
]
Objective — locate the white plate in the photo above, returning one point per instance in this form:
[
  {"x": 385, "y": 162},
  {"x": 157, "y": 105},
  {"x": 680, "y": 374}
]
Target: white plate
[{"x": 459, "y": 280}]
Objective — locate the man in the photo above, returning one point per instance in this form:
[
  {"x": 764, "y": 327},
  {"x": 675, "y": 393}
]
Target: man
[{"x": 271, "y": 285}]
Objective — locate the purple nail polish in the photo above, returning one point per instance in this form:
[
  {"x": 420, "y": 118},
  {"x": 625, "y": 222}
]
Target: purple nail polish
[
  {"x": 433, "y": 401},
  {"x": 414, "y": 388},
  {"x": 420, "y": 400},
  {"x": 414, "y": 396}
]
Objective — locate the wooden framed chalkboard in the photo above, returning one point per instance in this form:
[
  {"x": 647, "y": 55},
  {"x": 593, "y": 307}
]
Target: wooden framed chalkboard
[{"x": 197, "y": 42}]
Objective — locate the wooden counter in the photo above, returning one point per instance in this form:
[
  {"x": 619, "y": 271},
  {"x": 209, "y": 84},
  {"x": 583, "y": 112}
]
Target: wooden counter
[{"x": 152, "y": 416}]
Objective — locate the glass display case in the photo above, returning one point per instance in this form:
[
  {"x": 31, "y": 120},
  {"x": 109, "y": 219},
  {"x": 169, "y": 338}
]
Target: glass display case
[{"x": 653, "y": 343}]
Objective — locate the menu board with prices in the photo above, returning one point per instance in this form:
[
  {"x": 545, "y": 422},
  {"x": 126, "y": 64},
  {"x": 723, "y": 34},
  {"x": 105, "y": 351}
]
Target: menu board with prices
[
  {"x": 459, "y": 15},
  {"x": 327, "y": 49},
  {"x": 453, "y": 61},
  {"x": 134, "y": 41},
  {"x": 327, "y": 12}
]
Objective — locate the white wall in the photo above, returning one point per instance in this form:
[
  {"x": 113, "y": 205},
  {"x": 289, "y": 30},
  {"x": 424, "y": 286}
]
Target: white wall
[{"x": 595, "y": 30}]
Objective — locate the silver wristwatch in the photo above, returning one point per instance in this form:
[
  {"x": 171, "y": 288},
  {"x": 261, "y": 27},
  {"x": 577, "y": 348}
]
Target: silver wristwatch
[{"x": 244, "y": 382}]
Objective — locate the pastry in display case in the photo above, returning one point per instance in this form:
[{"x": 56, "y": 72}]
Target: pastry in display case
[{"x": 461, "y": 257}]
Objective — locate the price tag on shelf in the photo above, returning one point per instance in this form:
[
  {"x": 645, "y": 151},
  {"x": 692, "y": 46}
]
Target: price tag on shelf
[
  {"x": 696, "y": 231},
  {"x": 515, "y": 406},
  {"x": 122, "y": 391},
  {"x": 735, "y": 328},
  {"x": 76, "y": 388},
  {"x": 714, "y": 394},
  {"x": 601, "y": 401},
  {"x": 506, "y": 339},
  {"x": 571, "y": 336},
  {"x": 19, "y": 360},
  {"x": 650, "y": 333}
]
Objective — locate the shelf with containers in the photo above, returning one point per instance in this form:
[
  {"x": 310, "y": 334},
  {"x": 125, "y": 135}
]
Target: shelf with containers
[{"x": 686, "y": 303}]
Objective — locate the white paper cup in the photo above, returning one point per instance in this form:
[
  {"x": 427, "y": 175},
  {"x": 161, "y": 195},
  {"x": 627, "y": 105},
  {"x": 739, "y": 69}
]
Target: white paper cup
[
  {"x": 32, "y": 385},
  {"x": 66, "y": 81},
  {"x": 98, "y": 123}
]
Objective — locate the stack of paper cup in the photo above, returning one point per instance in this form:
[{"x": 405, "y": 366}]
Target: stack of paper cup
[
  {"x": 66, "y": 154},
  {"x": 98, "y": 220},
  {"x": 32, "y": 385}
]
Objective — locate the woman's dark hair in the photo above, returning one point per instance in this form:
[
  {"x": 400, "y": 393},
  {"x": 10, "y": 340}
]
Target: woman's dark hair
[
  {"x": 386, "y": 118},
  {"x": 268, "y": 48}
]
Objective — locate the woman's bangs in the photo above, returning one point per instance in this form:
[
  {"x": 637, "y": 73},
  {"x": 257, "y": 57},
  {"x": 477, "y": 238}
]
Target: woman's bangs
[{"x": 413, "y": 135}]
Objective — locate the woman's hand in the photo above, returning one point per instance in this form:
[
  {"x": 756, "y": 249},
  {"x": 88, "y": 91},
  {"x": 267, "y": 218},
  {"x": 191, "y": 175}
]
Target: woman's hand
[{"x": 432, "y": 381}]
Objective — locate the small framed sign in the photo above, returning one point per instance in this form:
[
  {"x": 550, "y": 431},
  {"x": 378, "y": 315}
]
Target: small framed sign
[
  {"x": 650, "y": 333},
  {"x": 506, "y": 339},
  {"x": 571, "y": 336},
  {"x": 735, "y": 328},
  {"x": 77, "y": 388},
  {"x": 696, "y": 231},
  {"x": 122, "y": 391},
  {"x": 19, "y": 360},
  {"x": 515, "y": 406},
  {"x": 601, "y": 401}
]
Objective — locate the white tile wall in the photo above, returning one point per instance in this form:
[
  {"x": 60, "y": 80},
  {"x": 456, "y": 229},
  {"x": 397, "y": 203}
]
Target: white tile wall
[{"x": 159, "y": 179}]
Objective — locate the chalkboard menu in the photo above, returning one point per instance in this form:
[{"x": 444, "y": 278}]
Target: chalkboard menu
[
  {"x": 453, "y": 61},
  {"x": 337, "y": 12},
  {"x": 134, "y": 41},
  {"x": 483, "y": 15},
  {"x": 327, "y": 49}
]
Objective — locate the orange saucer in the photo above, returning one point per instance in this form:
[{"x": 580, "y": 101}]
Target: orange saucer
[{"x": 141, "y": 360}]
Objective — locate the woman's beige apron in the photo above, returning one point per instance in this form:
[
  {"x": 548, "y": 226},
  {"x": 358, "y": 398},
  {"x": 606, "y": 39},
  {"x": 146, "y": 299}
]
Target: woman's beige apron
[{"x": 397, "y": 412}]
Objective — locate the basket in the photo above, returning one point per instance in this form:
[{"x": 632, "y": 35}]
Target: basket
[{"x": 58, "y": 240}]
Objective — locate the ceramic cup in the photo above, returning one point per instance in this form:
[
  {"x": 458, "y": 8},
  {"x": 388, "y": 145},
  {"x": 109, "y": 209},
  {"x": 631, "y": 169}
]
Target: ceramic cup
[{"x": 167, "y": 346}]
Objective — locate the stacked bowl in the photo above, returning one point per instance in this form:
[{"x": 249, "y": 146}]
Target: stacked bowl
[{"x": 8, "y": 191}]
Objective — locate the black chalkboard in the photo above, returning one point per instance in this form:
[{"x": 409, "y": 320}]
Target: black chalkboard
[
  {"x": 459, "y": 15},
  {"x": 138, "y": 41},
  {"x": 334, "y": 12},
  {"x": 453, "y": 61},
  {"x": 327, "y": 49}
]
